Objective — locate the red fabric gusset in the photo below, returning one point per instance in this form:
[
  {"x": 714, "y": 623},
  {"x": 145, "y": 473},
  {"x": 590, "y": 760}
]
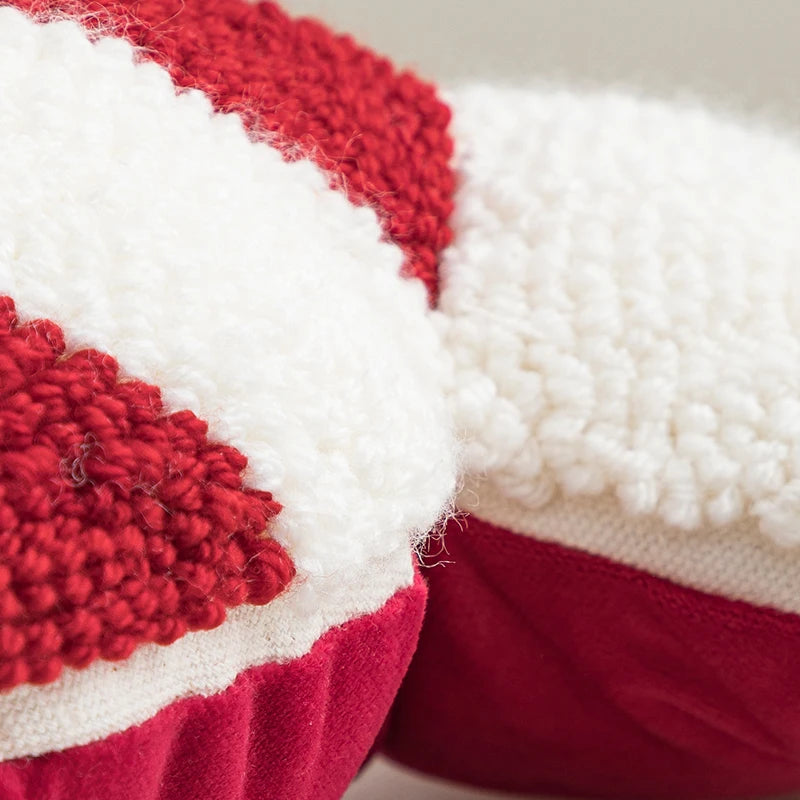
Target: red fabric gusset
[
  {"x": 383, "y": 133},
  {"x": 544, "y": 669},
  {"x": 119, "y": 523},
  {"x": 293, "y": 731}
]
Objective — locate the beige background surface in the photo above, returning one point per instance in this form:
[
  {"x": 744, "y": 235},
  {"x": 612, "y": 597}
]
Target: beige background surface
[{"x": 740, "y": 54}]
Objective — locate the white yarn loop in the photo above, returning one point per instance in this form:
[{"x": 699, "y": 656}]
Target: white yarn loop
[{"x": 622, "y": 302}]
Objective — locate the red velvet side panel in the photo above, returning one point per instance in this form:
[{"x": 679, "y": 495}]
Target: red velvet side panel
[
  {"x": 293, "y": 731},
  {"x": 542, "y": 668}
]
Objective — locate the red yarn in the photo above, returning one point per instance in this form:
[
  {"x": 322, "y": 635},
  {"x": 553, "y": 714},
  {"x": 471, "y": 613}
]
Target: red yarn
[
  {"x": 382, "y": 133},
  {"x": 119, "y": 524}
]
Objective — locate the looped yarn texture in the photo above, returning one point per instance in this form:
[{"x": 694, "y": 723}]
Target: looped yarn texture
[
  {"x": 623, "y": 308},
  {"x": 381, "y": 134},
  {"x": 119, "y": 523}
]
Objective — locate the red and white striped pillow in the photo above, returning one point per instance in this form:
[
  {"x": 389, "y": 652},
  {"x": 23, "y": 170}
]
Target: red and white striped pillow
[{"x": 223, "y": 421}]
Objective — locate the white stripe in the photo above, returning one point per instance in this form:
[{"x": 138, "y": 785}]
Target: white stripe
[
  {"x": 252, "y": 293},
  {"x": 86, "y": 705},
  {"x": 622, "y": 299}
]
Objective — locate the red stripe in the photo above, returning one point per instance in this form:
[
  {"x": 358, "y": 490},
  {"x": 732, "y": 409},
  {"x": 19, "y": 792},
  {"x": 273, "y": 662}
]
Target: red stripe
[
  {"x": 545, "y": 669},
  {"x": 119, "y": 523},
  {"x": 294, "y": 731},
  {"x": 382, "y": 133}
]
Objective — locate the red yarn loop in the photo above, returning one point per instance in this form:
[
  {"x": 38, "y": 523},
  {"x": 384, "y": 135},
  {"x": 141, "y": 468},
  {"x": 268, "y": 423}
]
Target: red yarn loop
[{"x": 119, "y": 523}]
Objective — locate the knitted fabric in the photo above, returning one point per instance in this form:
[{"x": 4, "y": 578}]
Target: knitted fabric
[
  {"x": 383, "y": 134},
  {"x": 233, "y": 381},
  {"x": 574, "y": 676},
  {"x": 181, "y": 263},
  {"x": 622, "y": 304},
  {"x": 297, "y": 730},
  {"x": 119, "y": 524}
]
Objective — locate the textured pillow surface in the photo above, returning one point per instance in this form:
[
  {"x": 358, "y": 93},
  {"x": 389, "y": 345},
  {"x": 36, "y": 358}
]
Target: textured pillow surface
[
  {"x": 222, "y": 419},
  {"x": 617, "y": 616}
]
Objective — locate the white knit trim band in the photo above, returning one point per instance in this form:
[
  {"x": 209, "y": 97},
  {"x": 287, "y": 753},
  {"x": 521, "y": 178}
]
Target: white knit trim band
[
  {"x": 734, "y": 561},
  {"x": 86, "y": 705}
]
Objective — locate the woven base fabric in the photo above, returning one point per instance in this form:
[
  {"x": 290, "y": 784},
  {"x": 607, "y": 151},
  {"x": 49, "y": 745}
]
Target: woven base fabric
[
  {"x": 187, "y": 425},
  {"x": 545, "y": 669},
  {"x": 293, "y": 731}
]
